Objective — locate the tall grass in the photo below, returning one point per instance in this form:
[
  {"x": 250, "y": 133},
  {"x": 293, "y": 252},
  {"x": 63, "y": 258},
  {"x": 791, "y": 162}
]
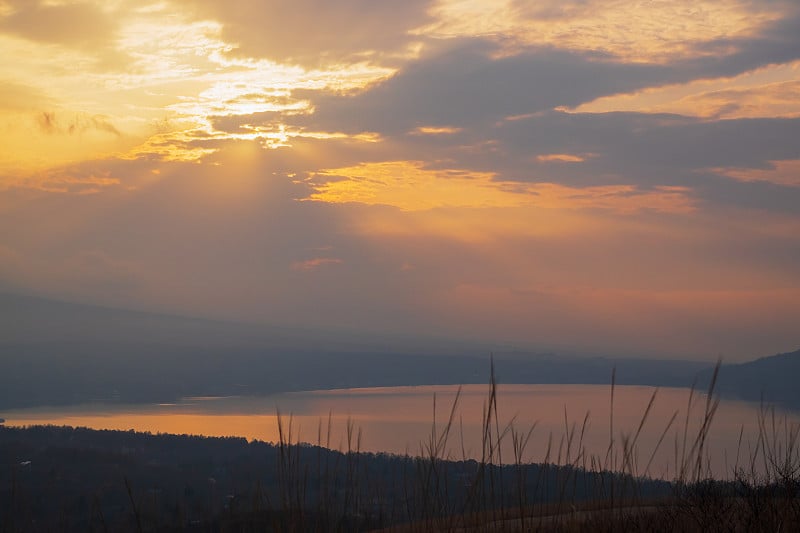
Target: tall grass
[{"x": 570, "y": 489}]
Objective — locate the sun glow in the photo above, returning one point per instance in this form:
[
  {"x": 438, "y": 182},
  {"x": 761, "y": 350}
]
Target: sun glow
[{"x": 166, "y": 79}]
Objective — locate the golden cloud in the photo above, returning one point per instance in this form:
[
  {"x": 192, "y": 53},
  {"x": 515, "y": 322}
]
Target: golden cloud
[
  {"x": 785, "y": 172},
  {"x": 410, "y": 186},
  {"x": 651, "y": 31},
  {"x": 436, "y": 130},
  {"x": 772, "y": 91},
  {"x": 560, "y": 158},
  {"x": 317, "y": 262}
]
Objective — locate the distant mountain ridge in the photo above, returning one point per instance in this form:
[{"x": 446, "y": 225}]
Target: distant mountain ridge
[{"x": 56, "y": 353}]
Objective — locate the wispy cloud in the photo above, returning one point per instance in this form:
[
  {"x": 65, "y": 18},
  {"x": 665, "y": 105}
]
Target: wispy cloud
[
  {"x": 315, "y": 263},
  {"x": 54, "y": 123}
]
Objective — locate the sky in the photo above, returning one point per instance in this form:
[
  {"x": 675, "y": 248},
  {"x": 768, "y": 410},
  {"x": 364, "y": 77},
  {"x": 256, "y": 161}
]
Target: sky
[{"x": 609, "y": 176}]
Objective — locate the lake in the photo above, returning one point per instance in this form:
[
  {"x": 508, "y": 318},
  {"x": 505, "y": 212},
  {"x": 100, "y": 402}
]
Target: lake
[{"x": 567, "y": 423}]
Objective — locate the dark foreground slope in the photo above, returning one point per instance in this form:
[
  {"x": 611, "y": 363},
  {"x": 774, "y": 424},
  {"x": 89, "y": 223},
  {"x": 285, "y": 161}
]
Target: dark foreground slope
[
  {"x": 65, "y": 479},
  {"x": 68, "y": 479}
]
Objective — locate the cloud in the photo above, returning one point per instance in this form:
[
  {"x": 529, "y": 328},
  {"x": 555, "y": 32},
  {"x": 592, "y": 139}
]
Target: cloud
[
  {"x": 561, "y": 158},
  {"x": 652, "y": 32},
  {"x": 408, "y": 186},
  {"x": 773, "y": 100},
  {"x": 56, "y": 182},
  {"x": 54, "y": 123},
  {"x": 663, "y": 144},
  {"x": 775, "y": 43},
  {"x": 470, "y": 81},
  {"x": 435, "y": 130},
  {"x": 463, "y": 84},
  {"x": 777, "y": 172},
  {"x": 770, "y": 92},
  {"x": 315, "y": 32},
  {"x": 77, "y": 24},
  {"x": 315, "y": 263},
  {"x": 644, "y": 151}
]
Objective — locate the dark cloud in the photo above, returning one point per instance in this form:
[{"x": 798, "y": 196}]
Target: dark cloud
[
  {"x": 739, "y": 143},
  {"x": 663, "y": 143},
  {"x": 645, "y": 150},
  {"x": 463, "y": 84}
]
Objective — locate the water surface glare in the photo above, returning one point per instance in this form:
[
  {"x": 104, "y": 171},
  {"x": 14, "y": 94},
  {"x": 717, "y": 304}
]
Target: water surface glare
[{"x": 573, "y": 422}]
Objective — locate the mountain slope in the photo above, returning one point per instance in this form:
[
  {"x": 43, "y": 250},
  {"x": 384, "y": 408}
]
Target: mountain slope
[
  {"x": 774, "y": 379},
  {"x": 61, "y": 353}
]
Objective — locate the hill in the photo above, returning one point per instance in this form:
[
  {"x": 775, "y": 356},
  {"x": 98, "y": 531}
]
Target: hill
[
  {"x": 73, "y": 479},
  {"x": 773, "y": 379},
  {"x": 55, "y": 353}
]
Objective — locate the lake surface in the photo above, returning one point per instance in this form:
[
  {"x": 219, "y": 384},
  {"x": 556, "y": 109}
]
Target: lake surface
[{"x": 567, "y": 423}]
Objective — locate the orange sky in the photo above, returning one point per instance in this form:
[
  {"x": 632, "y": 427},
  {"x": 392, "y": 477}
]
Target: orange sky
[{"x": 602, "y": 175}]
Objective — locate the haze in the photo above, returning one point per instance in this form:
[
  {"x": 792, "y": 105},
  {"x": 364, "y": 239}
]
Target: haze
[{"x": 594, "y": 175}]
